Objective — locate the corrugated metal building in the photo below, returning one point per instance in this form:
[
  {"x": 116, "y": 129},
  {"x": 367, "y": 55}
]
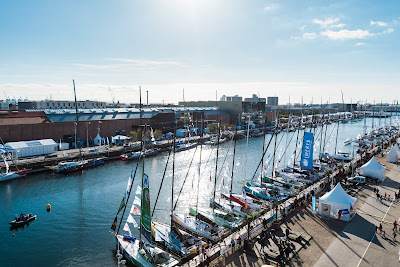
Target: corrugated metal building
[{"x": 59, "y": 124}]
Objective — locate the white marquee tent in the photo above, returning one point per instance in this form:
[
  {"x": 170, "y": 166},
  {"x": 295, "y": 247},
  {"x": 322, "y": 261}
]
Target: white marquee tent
[
  {"x": 373, "y": 169},
  {"x": 33, "y": 148},
  {"x": 337, "y": 200},
  {"x": 119, "y": 139},
  {"x": 397, "y": 149},
  {"x": 392, "y": 156}
]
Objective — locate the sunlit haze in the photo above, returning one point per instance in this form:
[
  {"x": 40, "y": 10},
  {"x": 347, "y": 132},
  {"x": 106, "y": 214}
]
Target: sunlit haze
[{"x": 311, "y": 49}]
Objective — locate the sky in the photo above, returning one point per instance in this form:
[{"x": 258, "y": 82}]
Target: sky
[{"x": 310, "y": 49}]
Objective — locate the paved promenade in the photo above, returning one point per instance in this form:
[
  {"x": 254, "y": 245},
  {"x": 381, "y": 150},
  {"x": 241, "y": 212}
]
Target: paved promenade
[
  {"x": 358, "y": 244},
  {"x": 338, "y": 243}
]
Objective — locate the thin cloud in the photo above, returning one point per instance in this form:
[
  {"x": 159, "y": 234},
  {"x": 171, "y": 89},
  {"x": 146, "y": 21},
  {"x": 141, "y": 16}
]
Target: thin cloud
[
  {"x": 270, "y": 7},
  {"x": 379, "y": 23},
  {"x": 100, "y": 66},
  {"x": 329, "y": 23},
  {"x": 347, "y": 34},
  {"x": 360, "y": 44},
  {"x": 302, "y": 27},
  {"x": 146, "y": 63},
  {"x": 387, "y": 31},
  {"x": 309, "y": 35}
]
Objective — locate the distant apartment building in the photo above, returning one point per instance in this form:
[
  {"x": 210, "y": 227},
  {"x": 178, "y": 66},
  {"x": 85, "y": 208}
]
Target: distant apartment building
[
  {"x": 232, "y": 108},
  {"x": 272, "y": 101},
  {"x": 234, "y": 98},
  {"x": 54, "y": 104},
  {"x": 254, "y": 104}
]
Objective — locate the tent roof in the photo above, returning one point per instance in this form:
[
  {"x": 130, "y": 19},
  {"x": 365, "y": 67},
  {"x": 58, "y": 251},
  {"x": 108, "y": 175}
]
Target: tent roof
[
  {"x": 373, "y": 164},
  {"x": 392, "y": 151},
  {"x": 396, "y": 148},
  {"x": 33, "y": 143},
  {"x": 97, "y": 136},
  {"x": 338, "y": 195},
  {"x": 120, "y": 137}
]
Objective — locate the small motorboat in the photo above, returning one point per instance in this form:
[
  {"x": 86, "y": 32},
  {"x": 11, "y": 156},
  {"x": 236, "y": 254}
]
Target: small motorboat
[{"x": 24, "y": 220}]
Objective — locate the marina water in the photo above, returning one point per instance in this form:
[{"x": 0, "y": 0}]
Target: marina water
[{"x": 84, "y": 204}]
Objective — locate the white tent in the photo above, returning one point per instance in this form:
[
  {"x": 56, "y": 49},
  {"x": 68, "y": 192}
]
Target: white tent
[
  {"x": 337, "y": 200},
  {"x": 33, "y": 148},
  {"x": 373, "y": 169},
  {"x": 97, "y": 140},
  {"x": 397, "y": 149},
  {"x": 392, "y": 156},
  {"x": 119, "y": 139}
]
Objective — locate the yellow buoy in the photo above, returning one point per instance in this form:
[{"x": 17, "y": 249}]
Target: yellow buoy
[{"x": 48, "y": 207}]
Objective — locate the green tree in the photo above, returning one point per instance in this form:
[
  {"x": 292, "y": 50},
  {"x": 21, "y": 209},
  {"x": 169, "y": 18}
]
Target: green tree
[
  {"x": 213, "y": 127},
  {"x": 158, "y": 134}
]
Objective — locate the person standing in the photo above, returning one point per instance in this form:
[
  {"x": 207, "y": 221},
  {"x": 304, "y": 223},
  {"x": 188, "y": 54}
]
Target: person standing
[{"x": 380, "y": 228}]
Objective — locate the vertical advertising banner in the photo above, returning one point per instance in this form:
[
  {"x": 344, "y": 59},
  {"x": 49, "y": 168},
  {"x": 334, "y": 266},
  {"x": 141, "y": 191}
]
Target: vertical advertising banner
[
  {"x": 314, "y": 204},
  {"x": 307, "y": 152},
  {"x": 146, "y": 219}
]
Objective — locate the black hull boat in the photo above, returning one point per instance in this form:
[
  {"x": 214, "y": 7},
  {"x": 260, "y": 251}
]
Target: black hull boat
[{"x": 26, "y": 220}]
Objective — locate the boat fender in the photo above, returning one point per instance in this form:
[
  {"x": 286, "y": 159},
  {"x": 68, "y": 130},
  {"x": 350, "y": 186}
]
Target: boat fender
[{"x": 48, "y": 207}]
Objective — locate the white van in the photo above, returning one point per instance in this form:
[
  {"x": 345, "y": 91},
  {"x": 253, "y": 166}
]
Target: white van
[{"x": 356, "y": 180}]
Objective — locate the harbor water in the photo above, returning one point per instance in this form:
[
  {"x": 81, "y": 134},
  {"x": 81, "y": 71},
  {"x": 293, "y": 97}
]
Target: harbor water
[{"x": 84, "y": 204}]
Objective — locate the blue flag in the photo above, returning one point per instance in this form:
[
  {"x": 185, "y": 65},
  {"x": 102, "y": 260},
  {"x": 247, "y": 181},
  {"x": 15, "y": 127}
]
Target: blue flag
[{"x": 307, "y": 152}]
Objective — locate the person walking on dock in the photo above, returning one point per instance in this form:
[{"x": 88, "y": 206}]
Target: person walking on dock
[
  {"x": 380, "y": 228},
  {"x": 394, "y": 225}
]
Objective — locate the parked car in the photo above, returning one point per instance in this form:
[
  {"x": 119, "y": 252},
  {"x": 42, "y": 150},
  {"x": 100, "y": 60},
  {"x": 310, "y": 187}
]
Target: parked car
[{"x": 357, "y": 179}]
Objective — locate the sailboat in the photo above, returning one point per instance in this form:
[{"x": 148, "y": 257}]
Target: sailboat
[
  {"x": 192, "y": 223},
  {"x": 140, "y": 251},
  {"x": 70, "y": 166},
  {"x": 167, "y": 237},
  {"x": 187, "y": 144},
  {"x": 8, "y": 175}
]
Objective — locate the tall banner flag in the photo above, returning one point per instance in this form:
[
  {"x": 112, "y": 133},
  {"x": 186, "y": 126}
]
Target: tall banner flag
[
  {"x": 314, "y": 204},
  {"x": 146, "y": 219},
  {"x": 307, "y": 152}
]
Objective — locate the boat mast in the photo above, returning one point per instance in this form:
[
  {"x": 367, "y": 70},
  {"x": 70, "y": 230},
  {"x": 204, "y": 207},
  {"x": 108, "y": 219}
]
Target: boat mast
[
  {"x": 390, "y": 122},
  {"x": 216, "y": 165},
  {"x": 322, "y": 130},
  {"x": 276, "y": 138},
  {"x": 247, "y": 145},
  {"x": 173, "y": 173},
  {"x": 329, "y": 119},
  {"x": 380, "y": 116},
  {"x": 199, "y": 166},
  {"x": 233, "y": 163},
  {"x": 365, "y": 118},
  {"x": 76, "y": 120},
  {"x": 337, "y": 130},
  {"x": 287, "y": 129},
  {"x": 143, "y": 158},
  {"x": 373, "y": 117},
  {"x": 263, "y": 147},
  {"x": 140, "y": 116},
  {"x": 8, "y": 153},
  {"x": 298, "y": 132}
]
